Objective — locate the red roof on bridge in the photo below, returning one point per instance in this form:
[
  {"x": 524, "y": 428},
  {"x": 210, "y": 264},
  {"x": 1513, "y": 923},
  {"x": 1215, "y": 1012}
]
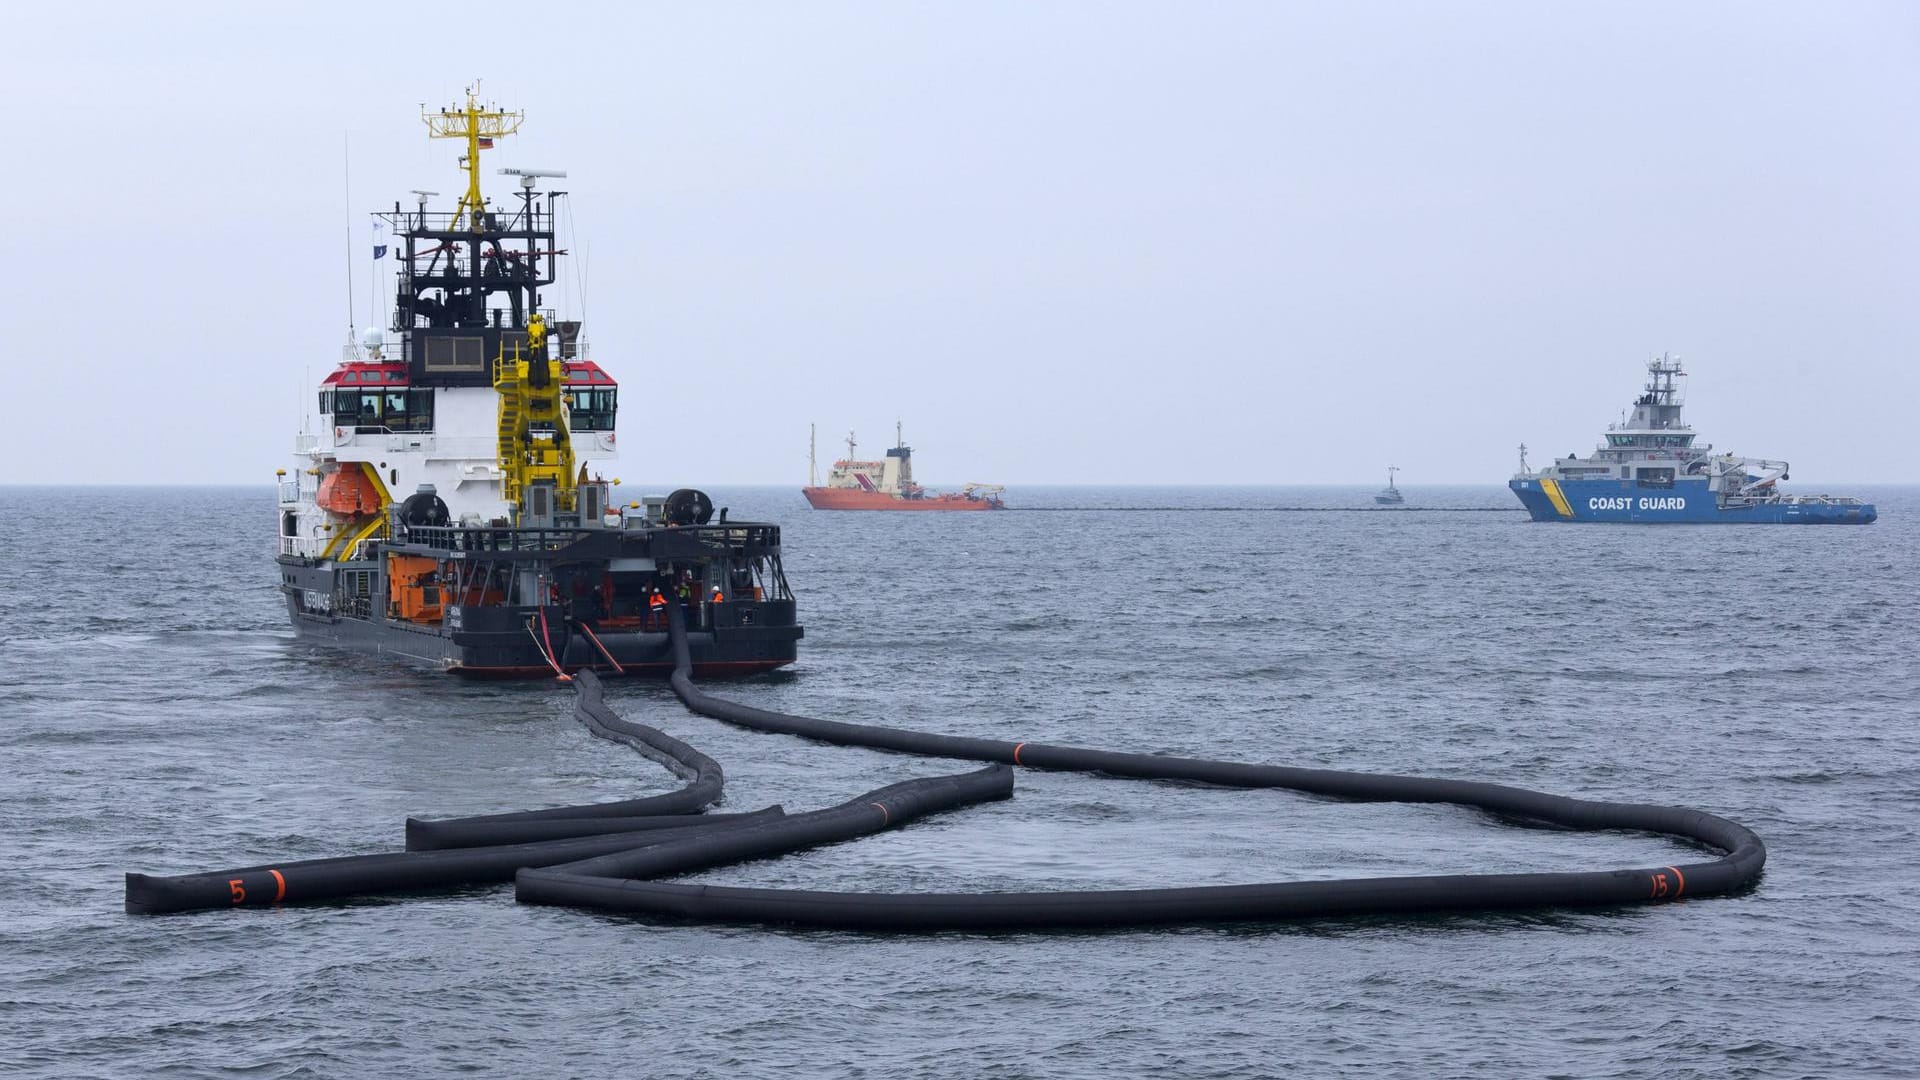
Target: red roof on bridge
[{"x": 363, "y": 373}]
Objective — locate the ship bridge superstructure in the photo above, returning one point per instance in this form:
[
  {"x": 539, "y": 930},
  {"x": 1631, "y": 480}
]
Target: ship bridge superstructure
[
  {"x": 892, "y": 474},
  {"x": 1654, "y": 446},
  {"x": 1655, "y": 428},
  {"x": 475, "y": 386}
]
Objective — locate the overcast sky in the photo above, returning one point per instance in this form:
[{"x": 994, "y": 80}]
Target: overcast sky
[{"x": 1100, "y": 243}]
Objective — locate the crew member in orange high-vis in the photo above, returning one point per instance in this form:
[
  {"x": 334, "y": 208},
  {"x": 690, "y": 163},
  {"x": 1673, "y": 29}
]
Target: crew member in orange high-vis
[
  {"x": 656, "y": 603},
  {"x": 716, "y": 597}
]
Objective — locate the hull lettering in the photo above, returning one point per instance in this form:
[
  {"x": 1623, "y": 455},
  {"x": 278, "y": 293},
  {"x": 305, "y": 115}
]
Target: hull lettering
[{"x": 1622, "y": 502}]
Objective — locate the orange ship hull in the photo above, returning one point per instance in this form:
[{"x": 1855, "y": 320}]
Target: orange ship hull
[{"x": 826, "y": 498}]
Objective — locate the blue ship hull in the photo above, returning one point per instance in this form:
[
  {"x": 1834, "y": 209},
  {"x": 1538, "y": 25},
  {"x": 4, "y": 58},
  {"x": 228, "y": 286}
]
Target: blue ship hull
[{"x": 1687, "y": 501}]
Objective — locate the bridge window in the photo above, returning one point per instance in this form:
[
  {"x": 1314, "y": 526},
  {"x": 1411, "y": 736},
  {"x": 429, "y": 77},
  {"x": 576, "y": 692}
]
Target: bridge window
[
  {"x": 591, "y": 410},
  {"x": 375, "y": 411}
]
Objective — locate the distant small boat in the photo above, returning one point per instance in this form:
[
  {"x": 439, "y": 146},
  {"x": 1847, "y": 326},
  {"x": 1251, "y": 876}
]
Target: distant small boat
[{"x": 1391, "y": 496}]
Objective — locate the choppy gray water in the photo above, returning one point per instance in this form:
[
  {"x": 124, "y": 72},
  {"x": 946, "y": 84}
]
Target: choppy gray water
[{"x": 156, "y": 715}]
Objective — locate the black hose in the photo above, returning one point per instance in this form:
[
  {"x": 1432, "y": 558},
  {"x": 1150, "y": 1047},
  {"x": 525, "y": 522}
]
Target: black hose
[
  {"x": 599, "y": 881},
  {"x": 392, "y": 871},
  {"x": 493, "y": 847},
  {"x": 1740, "y": 865},
  {"x": 703, "y": 774},
  {"x": 477, "y": 832},
  {"x": 705, "y": 780}
]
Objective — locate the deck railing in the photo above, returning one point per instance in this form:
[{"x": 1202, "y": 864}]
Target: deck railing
[
  {"x": 304, "y": 547},
  {"x": 737, "y": 540}
]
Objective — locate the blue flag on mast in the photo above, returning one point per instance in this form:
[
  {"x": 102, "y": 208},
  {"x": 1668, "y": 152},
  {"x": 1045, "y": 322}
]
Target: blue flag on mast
[{"x": 379, "y": 248}]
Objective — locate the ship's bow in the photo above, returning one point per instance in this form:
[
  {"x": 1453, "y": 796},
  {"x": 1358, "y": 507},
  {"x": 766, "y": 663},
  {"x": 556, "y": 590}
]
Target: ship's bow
[{"x": 1540, "y": 501}]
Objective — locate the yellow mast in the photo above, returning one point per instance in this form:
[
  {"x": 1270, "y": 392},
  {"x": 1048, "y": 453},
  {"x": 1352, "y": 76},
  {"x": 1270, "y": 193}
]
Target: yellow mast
[{"x": 473, "y": 124}]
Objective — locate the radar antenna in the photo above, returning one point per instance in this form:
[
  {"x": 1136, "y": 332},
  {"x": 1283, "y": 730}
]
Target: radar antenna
[
  {"x": 528, "y": 176},
  {"x": 479, "y": 126}
]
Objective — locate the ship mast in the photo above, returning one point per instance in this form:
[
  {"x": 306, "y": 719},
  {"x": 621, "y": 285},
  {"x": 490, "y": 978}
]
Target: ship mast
[
  {"x": 813, "y": 472},
  {"x": 479, "y": 127},
  {"x": 451, "y": 266}
]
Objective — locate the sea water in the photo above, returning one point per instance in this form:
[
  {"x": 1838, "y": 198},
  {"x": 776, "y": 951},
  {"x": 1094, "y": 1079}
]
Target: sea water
[{"x": 156, "y": 714}]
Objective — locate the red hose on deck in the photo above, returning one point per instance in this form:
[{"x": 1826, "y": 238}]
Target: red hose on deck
[
  {"x": 588, "y": 630},
  {"x": 548, "y": 653}
]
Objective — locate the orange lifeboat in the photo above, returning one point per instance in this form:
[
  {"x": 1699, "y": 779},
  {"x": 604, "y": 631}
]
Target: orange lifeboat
[{"x": 349, "y": 492}]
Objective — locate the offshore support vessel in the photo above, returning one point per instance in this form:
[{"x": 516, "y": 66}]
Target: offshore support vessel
[
  {"x": 1650, "y": 470},
  {"x": 888, "y": 484},
  {"x": 446, "y": 513}
]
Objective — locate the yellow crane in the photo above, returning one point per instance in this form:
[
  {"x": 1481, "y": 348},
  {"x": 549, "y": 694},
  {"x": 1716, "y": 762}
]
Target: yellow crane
[{"x": 535, "y": 445}]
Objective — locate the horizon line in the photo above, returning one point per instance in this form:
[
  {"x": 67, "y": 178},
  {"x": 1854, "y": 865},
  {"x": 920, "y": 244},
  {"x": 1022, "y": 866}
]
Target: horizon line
[{"x": 798, "y": 487}]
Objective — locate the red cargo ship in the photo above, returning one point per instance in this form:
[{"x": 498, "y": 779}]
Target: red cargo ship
[{"x": 887, "y": 484}]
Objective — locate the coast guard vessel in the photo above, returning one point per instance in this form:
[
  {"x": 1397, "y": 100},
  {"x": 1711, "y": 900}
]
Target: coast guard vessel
[
  {"x": 447, "y": 511},
  {"x": 1650, "y": 470}
]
